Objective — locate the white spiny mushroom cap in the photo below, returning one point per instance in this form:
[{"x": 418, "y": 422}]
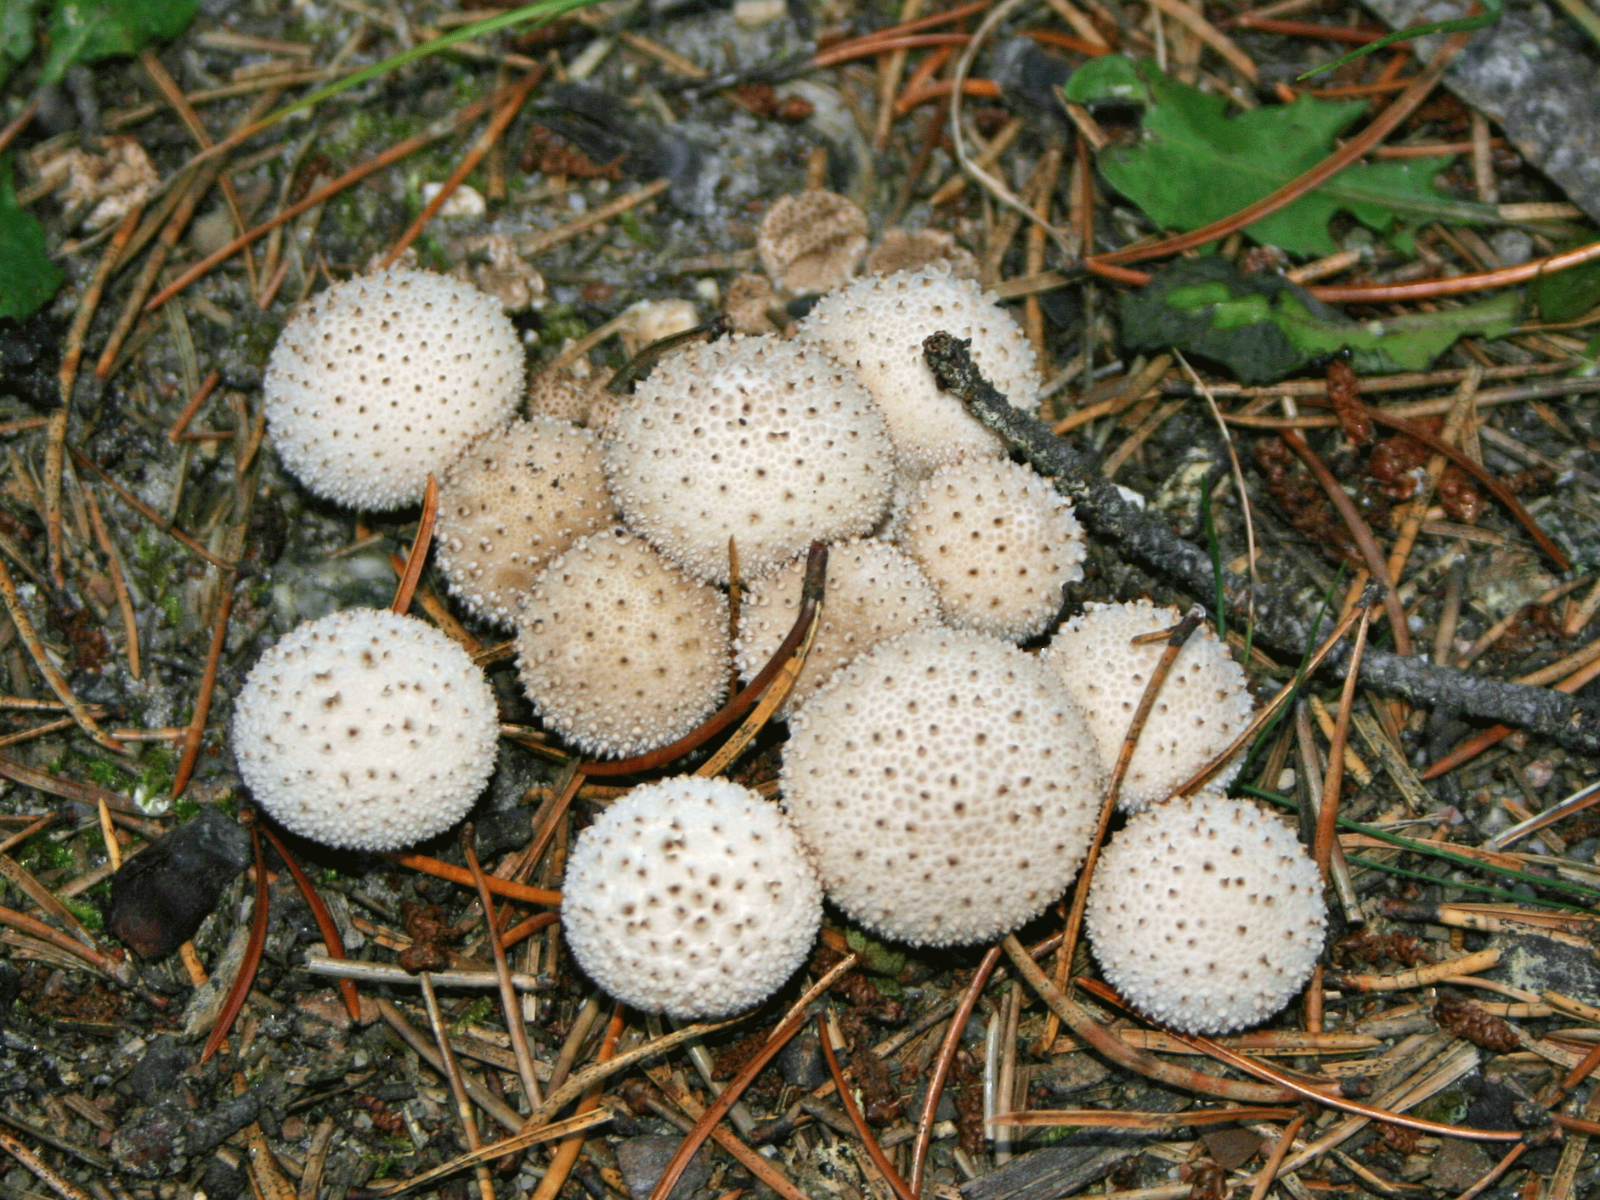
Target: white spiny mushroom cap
[
  {"x": 365, "y": 730},
  {"x": 1206, "y": 914},
  {"x": 518, "y": 497},
  {"x": 946, "y": 785},
  {"x": 876, "y": 325},
  {"x": 691, "y": 897},
  {"x": 812, "y": 241},
  {"x": 1202, "y": 707},
  {"x": 874, "y": 592},
  {"x": 384, "y": 379},
  {"x": 998, "y": 542},
  {"x": 765, "y": 441},
  {"x": 621, "y": 652}
]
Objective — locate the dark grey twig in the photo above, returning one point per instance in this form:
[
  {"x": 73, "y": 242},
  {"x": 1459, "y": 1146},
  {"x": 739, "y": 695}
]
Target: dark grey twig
[{"x": 1571, "y": 722}]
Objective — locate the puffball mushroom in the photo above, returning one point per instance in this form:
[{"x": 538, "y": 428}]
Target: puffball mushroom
[
  {"x": 691, "y": 897},
  {"x": 1202, "y": 707},
  {"x": 875, "y": 326},
  {"x": 946, "y": 785},
  {"x": 619, "y": 651},
  {"x": 1206, "y": 914},
  {"x": 765, "y": 441},
  {"x": 518, "y": 497},
  {"x": 812, "y": 241},
  {"x": 998, "y": 542},
  {"x": 365, "y": 730},
  {"x": 874, "y": 593},
  {"x": 384, "y": 379}
]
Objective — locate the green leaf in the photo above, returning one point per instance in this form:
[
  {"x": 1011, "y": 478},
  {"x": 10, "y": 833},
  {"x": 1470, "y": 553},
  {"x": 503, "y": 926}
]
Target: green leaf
[
  {"x": 875, "y": 956},
  {"x": 88, "y": 30},
  {"x": 1193, "y": 164},
  {"x": 1263, "y": 327},
  {"x": 27, "y": 276},
  {"x": 1564, "y": 295},
  {"x": 16, "y": 28}
]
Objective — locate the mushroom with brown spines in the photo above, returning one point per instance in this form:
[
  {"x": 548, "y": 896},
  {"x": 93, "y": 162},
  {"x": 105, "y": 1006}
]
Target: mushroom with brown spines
[
  {"x": 811, "y": 241},
  {"x": 692, "y": 897},
  {"x": 946, "y": 785},
  {"x": 764, "y": 441},
  {"x": 875, "y": 326},
  {"x": 998, "y": 543},
  {"x": 1206, "y": 914},
  {"x": 874, "y": 593},
  {"x": 619, "y": 651},
  {"x": 365, "y": 730},
  {"x": 518, "y": 497},
  {"x": 1203, "y": 705},
  {"x": 385, "y": 379}
]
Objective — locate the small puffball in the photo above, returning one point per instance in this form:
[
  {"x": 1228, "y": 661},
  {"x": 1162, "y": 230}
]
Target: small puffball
[
  {"x": 763, "y": 441},
  {"x": 384, "y": 379},
  {"x": 366, "y": 730},
  {"x": 619, "y": 651},
  {"x": 518, "y": 497},
  {"x": 812, "y": 241},
  {"x": 998, "y": 543},
  {"x": 946, "y": 785},
  {"x": 874, "y": 592},
  {"x": 691, "y": 897},
  {"x": 1206, "y": 914},
  {"x": 875, "y": 326},
  {"x": 1203, "y": 705}
]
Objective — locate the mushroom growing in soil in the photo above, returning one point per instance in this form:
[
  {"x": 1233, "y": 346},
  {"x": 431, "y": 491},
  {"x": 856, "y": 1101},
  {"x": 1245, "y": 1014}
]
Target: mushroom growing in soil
[
  {"x": 619, "y": 651},
  {"x": 1206, "y": 914},
  {"x": 692, "y": 897},
  {"x": 812, "y": 241},
  {"x": 1204, "y": 704},
  {"x": 518, "y": 497},
  {"x": 874, "y": 593},
  {"x": 757, "y": 439},
  {"x": 998, "y": 543},
  {"x": 875, "y": 326},
  {"x": 385, "y": 379},
  {"x": 946, "y": 785},
  {"x": 366, "y": 730}
]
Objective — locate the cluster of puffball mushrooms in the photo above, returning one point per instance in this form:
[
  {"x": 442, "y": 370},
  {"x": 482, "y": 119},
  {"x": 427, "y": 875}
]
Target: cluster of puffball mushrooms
[{"x": 940, "y": 785}]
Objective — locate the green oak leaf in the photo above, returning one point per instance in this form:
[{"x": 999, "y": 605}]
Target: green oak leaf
[
  {"x": 89, "y": 30},
  {"x": 1263, "y": 327},
  {"x": 27, "y": 276},
  {"x": 1192, "y": 164}
]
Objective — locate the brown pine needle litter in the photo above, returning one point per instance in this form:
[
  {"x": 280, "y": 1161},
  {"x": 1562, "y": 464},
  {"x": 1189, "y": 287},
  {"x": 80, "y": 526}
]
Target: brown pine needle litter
[{"x": 1406, "y": 568}]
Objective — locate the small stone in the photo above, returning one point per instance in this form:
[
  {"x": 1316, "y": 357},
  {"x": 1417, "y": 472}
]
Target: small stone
[
  {"x": 155, "y": 1076},
  {"x": 328, "y": 1007},
  {"x": 644, "y": 1159},
  {"x": 159, "y": 898},
  {"x": 1512, "y": 247},
  {"x": 1458, "y": 1165},
  {"x": 463, "y": 202}
]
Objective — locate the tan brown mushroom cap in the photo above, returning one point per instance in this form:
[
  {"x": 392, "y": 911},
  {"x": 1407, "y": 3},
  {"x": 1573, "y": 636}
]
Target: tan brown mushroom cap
[
  {"x": 874, "y": 593},
  {"x": 998, "y": 543},
  {"x": 619, "y": 651},
  {"x": 518, "y": 497},
  {"x": 812, "y": 241},
  {"x": 1204, "y": 704},
  {"x": 913, "y": 249}
]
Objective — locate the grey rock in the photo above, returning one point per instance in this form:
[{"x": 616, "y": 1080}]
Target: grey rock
[{"x": 643, "y": 1159}]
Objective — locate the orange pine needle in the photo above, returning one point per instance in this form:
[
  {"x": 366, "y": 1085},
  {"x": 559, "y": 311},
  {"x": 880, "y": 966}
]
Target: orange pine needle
[{"x": 419, "y": 549}]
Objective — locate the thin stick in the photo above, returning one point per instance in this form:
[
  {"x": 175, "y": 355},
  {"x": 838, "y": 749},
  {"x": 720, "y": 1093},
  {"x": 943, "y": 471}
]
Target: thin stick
[
  {"x": 455, "y": 874},
  {"x": 718, "y": 1108},
  {"x": 508, "y": 994},
  {"x": 537, "y": 243},
  {"x": 419, "y": 549},
  {"x": 56, "y": 1182},
  {"x": 365, "y": 972},
  {"x": 72, "y": 356},
  {"x": 474, "y": 156},
  {"x": 1328, "y": 813},
  {"x": 208, "y": 686},
  {"x": 53, "y": 677},
  {"x": 115, "y": 969},
  {"x": 148, "y": 513},
  {"x": 452, "y": 1073},
  {"x": 511, "y": 1145},
  {"x": 201, "y": 395},
  {"x": 245, "y": 979},
  {"x": 1258, "y": 1190},
  {"x": 566, "y": 1155},
  {"x": 863, "y": 1130},
  {"x": 130, "y": 625},
  {"x": 16, "y": 126},
  {"x": 941, "y": 1069},
  {"x": 325, "y": 922}
]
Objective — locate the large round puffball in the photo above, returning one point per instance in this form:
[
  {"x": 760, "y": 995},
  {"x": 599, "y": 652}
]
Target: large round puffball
[
  {"x": 1206, "y": 914},
  {"x": 691, "y": 897},
  {"x": 365, "y": 730},
  {"x": 946, "y": 785},
  {"x": 763, "y": 442},
  {"x": 385, "y": 379},
  {"x": 1203, "y": 706}
]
